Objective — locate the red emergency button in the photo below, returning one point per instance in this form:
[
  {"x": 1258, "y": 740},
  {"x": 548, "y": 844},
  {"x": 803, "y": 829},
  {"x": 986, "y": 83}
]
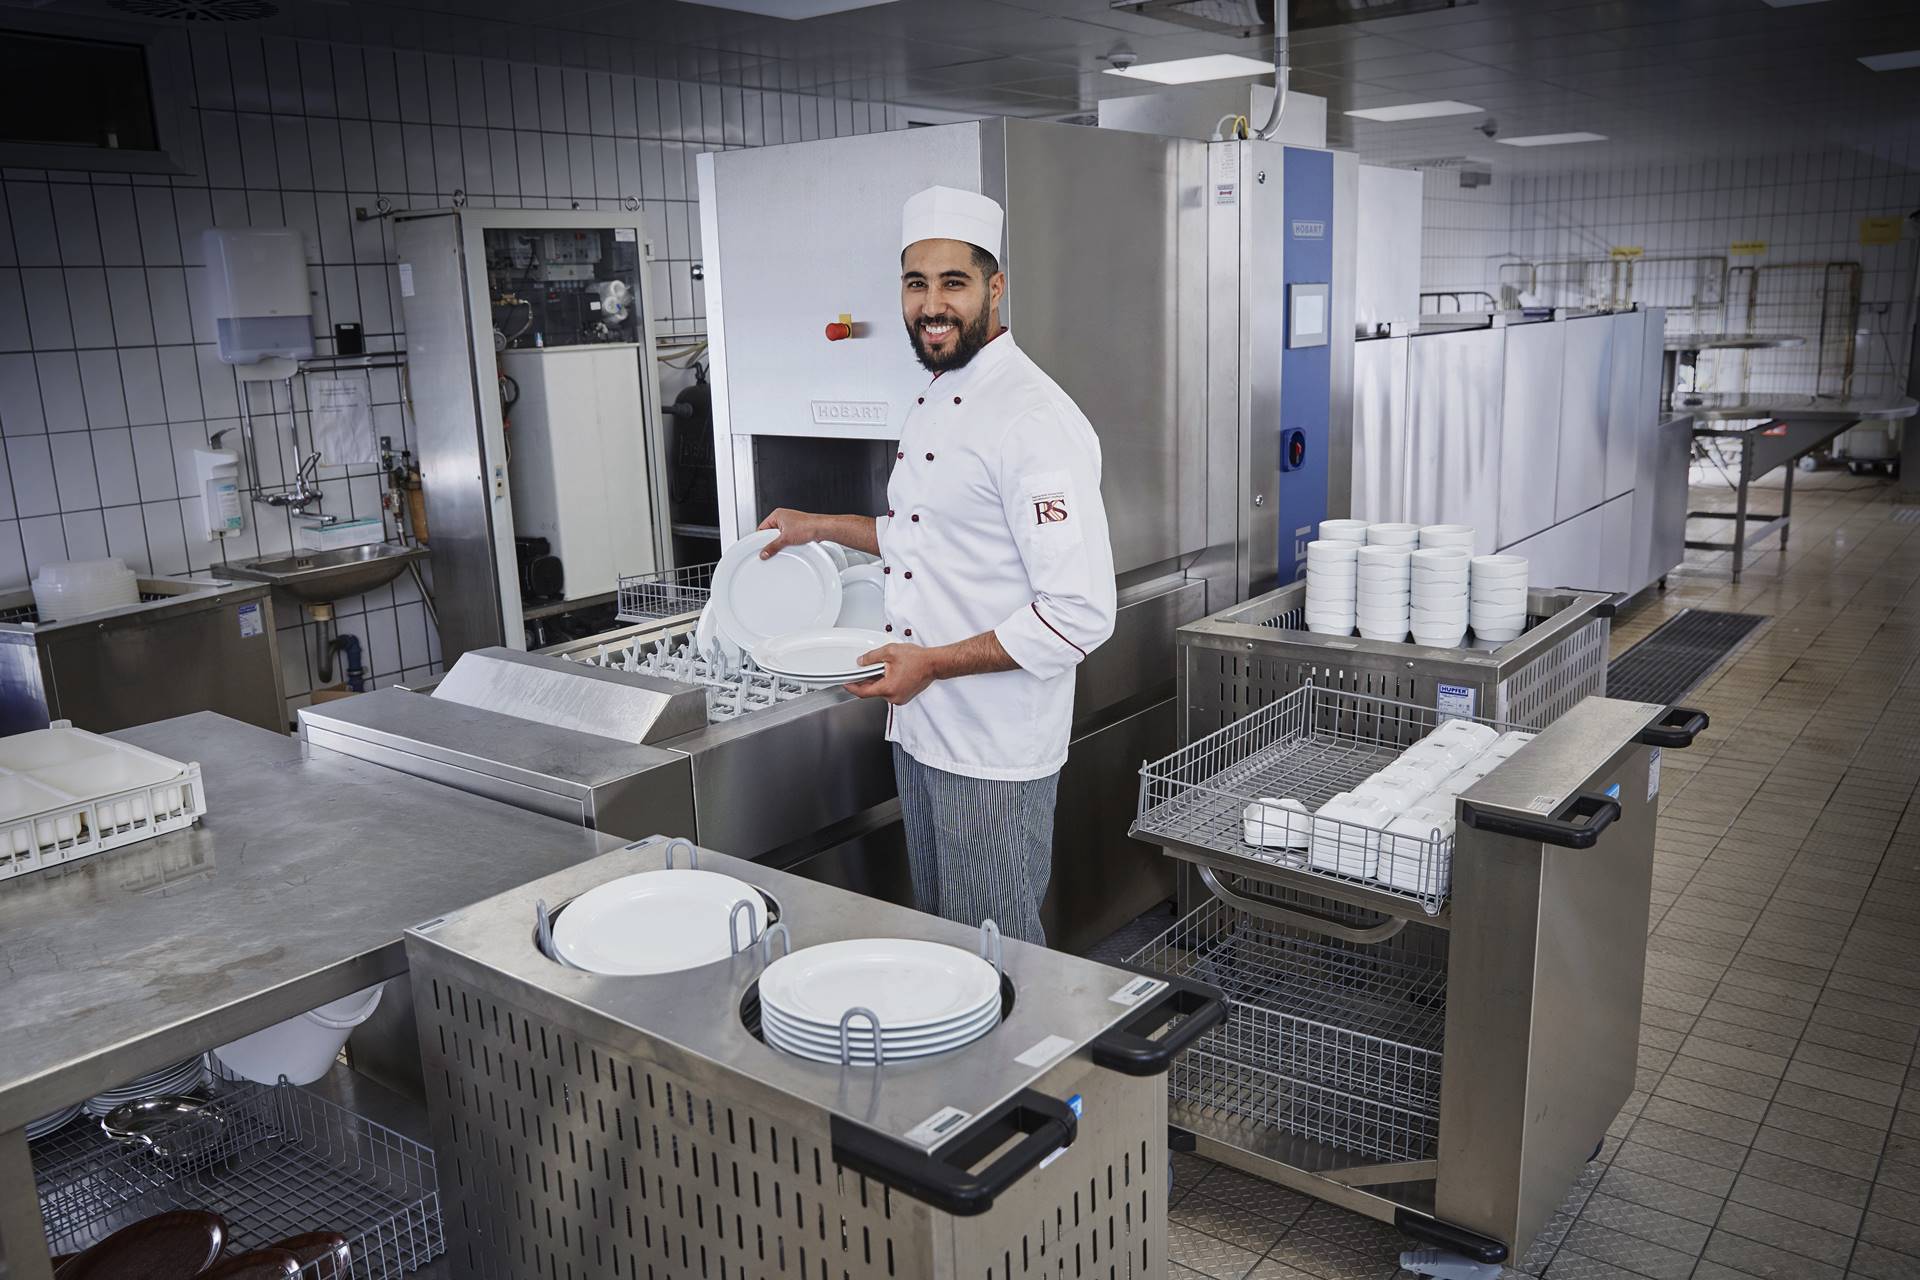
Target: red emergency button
[{"x": 840, "y": 330}]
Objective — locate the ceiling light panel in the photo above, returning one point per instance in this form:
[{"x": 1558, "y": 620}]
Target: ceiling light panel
[
  {"x": 1550, "y": 139},
  {"x": 1892, "y": 61},
  {"x": 1213, "y": 66},
  {"x": 1416, "y": 111}
]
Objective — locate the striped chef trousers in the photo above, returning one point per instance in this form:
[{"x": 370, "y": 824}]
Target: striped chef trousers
[{"x": 978, "y": 849}]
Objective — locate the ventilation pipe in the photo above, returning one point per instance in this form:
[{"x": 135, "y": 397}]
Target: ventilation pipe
[{"x": 1282, "y": 71}]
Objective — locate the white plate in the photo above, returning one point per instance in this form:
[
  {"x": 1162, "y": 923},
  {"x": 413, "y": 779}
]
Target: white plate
[
  {"x": 754, "y": 599},
  {"x": 836, "y": 553},
  {"x": 862, "y": 598},
  {"x": 654, "y": 922},
  {"x": 908, "y": 983},
  {"x": 819, "y": 653},
  {"x": 862, "y": 1055}
]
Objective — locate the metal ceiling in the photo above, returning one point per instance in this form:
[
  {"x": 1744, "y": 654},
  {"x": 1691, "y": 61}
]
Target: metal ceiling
[{"x": 1663, "y": 79}]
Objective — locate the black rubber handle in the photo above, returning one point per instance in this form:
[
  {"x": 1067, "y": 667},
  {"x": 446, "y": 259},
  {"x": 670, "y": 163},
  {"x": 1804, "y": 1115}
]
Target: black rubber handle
[
  {"x": 1676, "y": 727},
  {"x": 1558, "y": 827},
  {"x": 1471, "y": 1243},
  {"x": 944, "y": 1177},
  {"x": 1130, "y": 1048}
]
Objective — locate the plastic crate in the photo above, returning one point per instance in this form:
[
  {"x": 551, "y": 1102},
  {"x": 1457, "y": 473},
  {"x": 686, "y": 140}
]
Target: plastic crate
[{"x": 66, "y": 794}]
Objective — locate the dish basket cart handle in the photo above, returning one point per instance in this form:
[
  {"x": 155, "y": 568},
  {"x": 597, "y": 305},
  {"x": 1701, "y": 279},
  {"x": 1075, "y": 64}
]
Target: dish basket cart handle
[
  {"x": 771, "y": 932},
  {"x": 693, "y": 852},
  {"x": 1676, "y": 727},
  {"x": 733, "y": 925},
  {"x": 1300, "y": 918},
  {"x": 1556, "y": 828},
  {"x": 1130, "y": 1048},
  {"x": 944, "y": 1177}
]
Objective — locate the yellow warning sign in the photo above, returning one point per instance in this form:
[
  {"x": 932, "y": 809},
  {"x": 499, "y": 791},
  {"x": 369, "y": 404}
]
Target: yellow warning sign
[
  {"x": 1627, "y": 251},
  {"x": 1747, "y": 248},
  {"x": 1880, "y": 230}
]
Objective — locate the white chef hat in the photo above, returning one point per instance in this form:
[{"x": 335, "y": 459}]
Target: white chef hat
[{"x": 948, "y": 213}]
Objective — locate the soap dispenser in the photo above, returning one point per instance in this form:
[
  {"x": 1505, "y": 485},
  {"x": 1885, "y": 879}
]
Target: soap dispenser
[{"x": 217, "y": 475}]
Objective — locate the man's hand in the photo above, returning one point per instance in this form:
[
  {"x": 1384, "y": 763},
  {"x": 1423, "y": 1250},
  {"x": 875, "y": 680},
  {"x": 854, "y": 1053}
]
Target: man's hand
[
  {"x": 910, "y": 669},
  {"x": 796, "y": 527}
]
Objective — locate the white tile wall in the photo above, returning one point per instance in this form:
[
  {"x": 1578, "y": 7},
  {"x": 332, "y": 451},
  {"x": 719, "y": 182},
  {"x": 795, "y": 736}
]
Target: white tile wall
[
  {"x": 108, "y": 379},
  {"x": 1557, "y": 231}
]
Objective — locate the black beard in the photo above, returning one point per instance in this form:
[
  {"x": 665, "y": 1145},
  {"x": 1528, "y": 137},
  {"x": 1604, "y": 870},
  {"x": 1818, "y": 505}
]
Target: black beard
[{"x": 971, "y": 337}]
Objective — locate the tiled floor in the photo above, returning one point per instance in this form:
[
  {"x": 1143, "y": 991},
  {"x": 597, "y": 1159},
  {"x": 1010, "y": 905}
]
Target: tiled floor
[{"x": 1775, "y": 1132}]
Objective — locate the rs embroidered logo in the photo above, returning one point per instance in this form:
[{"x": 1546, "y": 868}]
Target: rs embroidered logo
[{"x": 1050, "y": 510}]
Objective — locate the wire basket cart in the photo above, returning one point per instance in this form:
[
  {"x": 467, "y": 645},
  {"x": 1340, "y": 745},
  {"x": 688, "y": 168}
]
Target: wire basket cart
[
  {"x": 1439, "y": 1033},
  {"x": 664, "y": 593},
  {"x": 281, "y": 1162}
]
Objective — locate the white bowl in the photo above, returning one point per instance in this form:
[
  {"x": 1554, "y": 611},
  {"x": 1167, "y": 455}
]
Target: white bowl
[
  {"x": 1516, "y": 605},
  {"x": 1337, "y": 627},
  {"x": 1328, "y": 550},
  {"x": 1343, "y": 588},
  {"x": 1350, "y": 531},
  {"x": 1393, "y": 535},
  {"x": 304, "y": 1046},
  {"x": 1496, "y": 635},
  {"x": 1386, "y": 553},
  {"x": 1446, "y": 535},
  {"x": 1346, "y": 573},
  {"x": 1391, "y": 634},
  {"x": 1371, "y": 625},
  {"x": 1451, "y": 638},
  {"x": 1439, "y": 589},
  {"x": 1501, "y": 566},
  {"x": 1436, "y": 556}
]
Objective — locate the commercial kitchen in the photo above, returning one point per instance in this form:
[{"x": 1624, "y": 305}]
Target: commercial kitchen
[{"x": 826, "y": 639}]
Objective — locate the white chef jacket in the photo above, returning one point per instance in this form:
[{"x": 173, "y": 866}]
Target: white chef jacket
[{"x": 995, "y": 523}]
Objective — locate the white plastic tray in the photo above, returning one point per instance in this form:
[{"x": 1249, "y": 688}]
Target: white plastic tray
[{"x": 66, "y": 793}]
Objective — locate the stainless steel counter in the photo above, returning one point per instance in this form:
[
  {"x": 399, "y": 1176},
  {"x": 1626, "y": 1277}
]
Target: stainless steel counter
[{"x": 293, "y": 891}]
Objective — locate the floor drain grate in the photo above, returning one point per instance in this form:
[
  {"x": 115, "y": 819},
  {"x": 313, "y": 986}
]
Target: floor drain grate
[
  {"x": 1671, "y": 661},
  {"x": 1906, "y": 515}
]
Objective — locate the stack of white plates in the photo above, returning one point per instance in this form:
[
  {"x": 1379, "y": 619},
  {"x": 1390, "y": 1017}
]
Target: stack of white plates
[
  {"x": 657, "y": 922},
  {"x": 1384, "y": 611},
  {"x": 1440, "y": 595},
  {"x": 1331, "y": 586},
  {"x": 822, "y": 655},
  {"x": 862, "y": 596},
  {"x": 929, "y": 998},
  {"x": 181, "y": 1077},
  {"x": 1497, "y": 601},
  {"x": 38, "y": 1129},
  {"x": 1343, "y": 531},
  {"x": 795, "y": 589}
]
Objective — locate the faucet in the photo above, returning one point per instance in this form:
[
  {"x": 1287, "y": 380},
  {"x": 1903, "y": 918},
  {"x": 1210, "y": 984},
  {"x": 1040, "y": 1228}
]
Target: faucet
[{"x": 305, "y": 493}]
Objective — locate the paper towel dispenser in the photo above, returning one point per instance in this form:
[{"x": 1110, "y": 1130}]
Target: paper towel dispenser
[{"x": 257, "y": 286}]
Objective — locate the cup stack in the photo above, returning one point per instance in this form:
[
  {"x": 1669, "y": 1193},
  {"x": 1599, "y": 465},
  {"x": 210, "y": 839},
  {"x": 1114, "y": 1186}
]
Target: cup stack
[
  {"x": 1384, "y": 601},
  {"x": 1497, "y": 602},
  {"x": 1393, "y": 535},
  {"x": 1440, "y": 576},
  {"x": 1447, "y": 535},
  {"x": 1331, "y": 585},
  {"x": 1343, "y": 531}
]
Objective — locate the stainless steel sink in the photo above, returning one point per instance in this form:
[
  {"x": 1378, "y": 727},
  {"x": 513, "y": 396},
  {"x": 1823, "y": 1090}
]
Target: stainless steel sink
[{"x": 322, "y": 576}]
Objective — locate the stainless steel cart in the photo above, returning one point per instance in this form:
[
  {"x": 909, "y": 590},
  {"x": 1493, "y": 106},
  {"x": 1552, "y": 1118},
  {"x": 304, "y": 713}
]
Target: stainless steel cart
[
  {"x": 1242, "y": 658},
  {"x": 1440, "y": 1036},
  {"x": 638, "y": 1126}
]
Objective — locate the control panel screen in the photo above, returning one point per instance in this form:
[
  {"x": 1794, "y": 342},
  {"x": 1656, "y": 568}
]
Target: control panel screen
[{"x": 563, "y": 288}]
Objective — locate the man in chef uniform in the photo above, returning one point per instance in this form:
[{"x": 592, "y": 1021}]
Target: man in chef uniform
[{"x": 998, "y": 576}]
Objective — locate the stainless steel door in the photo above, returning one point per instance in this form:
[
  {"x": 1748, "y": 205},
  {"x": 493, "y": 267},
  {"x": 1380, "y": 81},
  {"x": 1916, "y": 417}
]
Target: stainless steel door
[
  {"x": 1586, "y": 379},
  {"x": 1381, "y": 476},
  {"x": 1530, "y": 429},
  {"x": 1454, "y": 417},
  {"x": 1629, "y": 414}
]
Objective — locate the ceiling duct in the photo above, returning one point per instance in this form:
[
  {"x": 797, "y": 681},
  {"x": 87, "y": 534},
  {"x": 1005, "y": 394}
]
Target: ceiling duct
[{"x": 1255, "y": 17}]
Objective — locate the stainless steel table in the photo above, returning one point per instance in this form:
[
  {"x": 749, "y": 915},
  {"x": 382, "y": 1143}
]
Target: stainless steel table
[
  {"x": 1774, "y": 431},
  {"x": 292, "y": 891}
]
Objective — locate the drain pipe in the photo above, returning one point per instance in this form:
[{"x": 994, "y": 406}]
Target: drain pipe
[{"x": 1282, "y": 72}]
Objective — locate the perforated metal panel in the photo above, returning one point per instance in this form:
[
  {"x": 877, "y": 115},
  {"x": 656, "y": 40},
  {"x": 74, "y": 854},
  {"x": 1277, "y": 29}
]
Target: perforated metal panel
[{"x": 563, "y": 1159}]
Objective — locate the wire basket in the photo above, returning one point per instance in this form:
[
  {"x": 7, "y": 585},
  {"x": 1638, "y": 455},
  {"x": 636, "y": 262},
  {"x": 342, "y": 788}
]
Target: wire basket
[
  {"x": 1330, "y": 1041},
  {"x": 1309, "y": 745},
  {"x": 285, "y": 1162},
  {"x": 664, "y": 593}
]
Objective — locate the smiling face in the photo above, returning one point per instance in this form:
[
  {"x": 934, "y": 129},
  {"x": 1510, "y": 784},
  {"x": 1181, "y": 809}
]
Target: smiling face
[{"x": 950, "y": 299}]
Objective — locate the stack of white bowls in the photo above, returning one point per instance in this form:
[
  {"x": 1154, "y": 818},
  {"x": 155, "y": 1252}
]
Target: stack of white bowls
[
  {"x": 1498, "y": 597},
  {"x": 69, "y": 588},
  {"x": 1440, "y": 595},
  {"x": 1384, "y": 601},
  {"x": 1447, "y": 535},
  {"x": 1331, "y": 584}
]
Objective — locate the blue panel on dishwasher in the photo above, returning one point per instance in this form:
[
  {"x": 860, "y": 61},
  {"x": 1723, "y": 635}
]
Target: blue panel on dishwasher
[{"x": 1305, "y": 370}]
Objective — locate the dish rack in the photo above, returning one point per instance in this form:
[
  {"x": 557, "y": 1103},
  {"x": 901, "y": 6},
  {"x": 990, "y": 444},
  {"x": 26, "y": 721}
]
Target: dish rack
[
  {"x": 664, "y": 593},
  {"x": 1308, "y": 745},
  {"x": 1325, "y": 1039},
  {"x": 67, "y": 794},
  {"x": 285, "y": 1161},
  {"x": 734, "y": 690}
]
